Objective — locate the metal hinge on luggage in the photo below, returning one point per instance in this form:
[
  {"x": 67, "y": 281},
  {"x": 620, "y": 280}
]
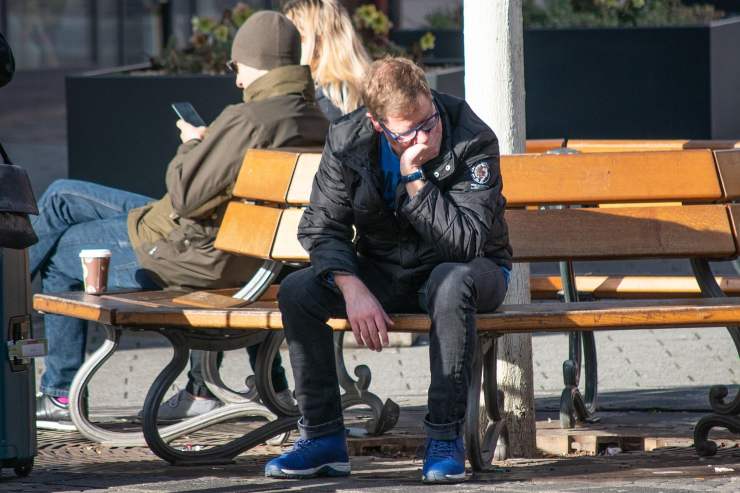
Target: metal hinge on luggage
[{"x": 21, "y": 348}]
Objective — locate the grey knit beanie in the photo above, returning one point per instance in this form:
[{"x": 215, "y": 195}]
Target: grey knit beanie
[{"x": 267, "y": 40}]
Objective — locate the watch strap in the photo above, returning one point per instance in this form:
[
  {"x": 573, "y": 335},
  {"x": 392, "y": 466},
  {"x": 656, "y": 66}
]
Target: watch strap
[{"x": 416, "y": 175}]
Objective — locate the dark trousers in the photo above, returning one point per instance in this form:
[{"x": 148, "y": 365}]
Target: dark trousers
[{"x": 452, "y": 295}]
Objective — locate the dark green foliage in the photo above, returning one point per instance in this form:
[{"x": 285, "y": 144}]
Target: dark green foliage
[
  {"x": 209, "y": 47},
  {"x": 615, "y": 13},
  {"x": 593, "y": 13}
]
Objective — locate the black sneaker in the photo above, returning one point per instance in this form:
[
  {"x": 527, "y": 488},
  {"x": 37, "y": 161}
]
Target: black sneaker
[{"x": 48, "y": 408}]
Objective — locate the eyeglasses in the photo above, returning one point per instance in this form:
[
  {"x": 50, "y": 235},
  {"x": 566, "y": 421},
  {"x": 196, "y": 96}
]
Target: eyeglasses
[
  {"x": 231, "y": 66},
  {"x": 408, "y": 136}
]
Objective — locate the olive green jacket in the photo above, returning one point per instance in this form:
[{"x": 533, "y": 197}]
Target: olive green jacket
[{"x": 173, "y": 237}]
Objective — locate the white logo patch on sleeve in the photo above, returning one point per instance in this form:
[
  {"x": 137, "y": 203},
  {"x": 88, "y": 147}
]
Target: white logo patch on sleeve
[{"x": 481, "y": 173}]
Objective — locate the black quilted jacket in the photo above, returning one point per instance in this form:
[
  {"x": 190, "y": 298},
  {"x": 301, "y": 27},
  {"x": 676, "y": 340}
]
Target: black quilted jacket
[{"x": 457, "y": 216}]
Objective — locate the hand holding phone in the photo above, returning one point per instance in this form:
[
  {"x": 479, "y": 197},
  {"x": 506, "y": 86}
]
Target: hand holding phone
[{"x": 186, "y": 112}]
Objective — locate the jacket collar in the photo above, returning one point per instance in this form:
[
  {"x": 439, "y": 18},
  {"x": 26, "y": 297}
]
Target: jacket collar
[
  {"x": 442, "y": 166},
  {"x": 281, "y": 81},
  {"x": 359, "y": 156},
  {"x": 364, "y": 149}
]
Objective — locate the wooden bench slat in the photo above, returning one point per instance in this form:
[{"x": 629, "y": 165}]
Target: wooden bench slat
[
  {"x": 622, "y": 145},
  {"x": 300, "y": 187},
  {"x": 595, "y": 233},
  {"x": 610, "y": 177},
  {"x": 728, "y": 165},
  {"x": 539, "y": 146},
  {"x": 735, "y": 220},
  {"x": 78, "y": 305},
  {"x": 248, "y": 229},
  {"x": 547, "y": 287},
  {"x": 583, "y": 234},
  {"x": 286, "y": 246},
  {"x": 287, "y": 177},
  {"x": 602, "y": 315},
  {"x": 265, "y": 174}
]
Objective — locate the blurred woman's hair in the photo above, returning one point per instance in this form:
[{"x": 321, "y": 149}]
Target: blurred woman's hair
[{"x": 332, "y": 49}]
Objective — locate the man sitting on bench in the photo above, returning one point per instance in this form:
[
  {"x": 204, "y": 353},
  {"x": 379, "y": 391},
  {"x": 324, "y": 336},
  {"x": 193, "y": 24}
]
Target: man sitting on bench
[
  {"x": 417, "y": 175},
  {"x": 169, "y": 242}
]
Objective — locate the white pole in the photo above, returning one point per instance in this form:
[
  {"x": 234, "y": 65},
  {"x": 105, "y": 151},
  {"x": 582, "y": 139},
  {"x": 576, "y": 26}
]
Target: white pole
[{"x": 494, "y": 87}]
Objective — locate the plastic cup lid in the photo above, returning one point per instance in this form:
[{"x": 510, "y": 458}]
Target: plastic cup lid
[{"x": 101, "y": 252}]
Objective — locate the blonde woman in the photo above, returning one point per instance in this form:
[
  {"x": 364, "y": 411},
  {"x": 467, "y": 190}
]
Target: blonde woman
[{"x": 331, "y": 48}]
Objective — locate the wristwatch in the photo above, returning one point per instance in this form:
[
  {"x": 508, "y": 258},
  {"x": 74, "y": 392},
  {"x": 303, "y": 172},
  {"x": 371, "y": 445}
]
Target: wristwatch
[{"x": 416, "y": 175}]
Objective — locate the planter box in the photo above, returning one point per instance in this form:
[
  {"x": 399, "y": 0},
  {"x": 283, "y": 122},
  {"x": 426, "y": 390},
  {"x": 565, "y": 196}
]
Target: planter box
[
  {"x": 121, "y": 130},
  {"x": 627, "y": 83},
  {"x": 450, "y": 80}
]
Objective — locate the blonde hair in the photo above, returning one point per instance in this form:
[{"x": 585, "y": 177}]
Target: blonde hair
[
  {"x": 393, "y": 86},
  {"x": 332, "y": 49}
]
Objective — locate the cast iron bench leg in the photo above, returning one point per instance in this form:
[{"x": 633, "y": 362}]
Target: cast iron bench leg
[
  {"x": 263, "y": 370},
  {"x": 78, "y": 390},
  {"x": 96, "y": 433},
  {"x": 260, "y": 281},
  {"x": 573, "y": 407},
  {"x": 726, "y": 414},
  {"x": 220, "y": 454},
  {"x": 252, "y": 291},
  {"x": 486, "y": 436}
]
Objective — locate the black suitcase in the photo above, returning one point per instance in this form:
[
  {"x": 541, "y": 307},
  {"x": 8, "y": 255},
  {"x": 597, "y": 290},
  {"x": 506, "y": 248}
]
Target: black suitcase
[
  {"x": 17, "y": 347},
  {"x": 17, "y": 410}
]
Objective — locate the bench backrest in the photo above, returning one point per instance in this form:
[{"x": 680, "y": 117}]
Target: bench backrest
[
  {"x": 623, "y": 145},
  {"x": 626, "y": 205}
]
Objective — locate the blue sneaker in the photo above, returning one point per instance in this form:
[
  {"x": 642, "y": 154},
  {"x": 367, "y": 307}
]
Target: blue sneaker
[
  {"x": 444, "y": 461},
  {"x": 310, "y": 458}
]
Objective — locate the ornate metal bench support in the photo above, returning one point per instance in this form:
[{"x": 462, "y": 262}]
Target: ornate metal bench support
[
  {"x": 220, "y": 454},
  {"x": 710, "y": 289},
  {"x": 260, "y": 281},
  {"x": 486, "y": 436},
  {"x": 78, "y": 390},
  {"x": 726, "y": 414},
  {"x": 236, "y": 405},
  {"x": 263, "y": 373},
  {"x": 581, "y": 345},
  {"x": 356, "y": 393}
]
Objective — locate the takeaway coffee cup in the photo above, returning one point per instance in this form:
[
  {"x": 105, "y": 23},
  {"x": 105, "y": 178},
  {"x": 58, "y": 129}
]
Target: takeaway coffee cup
[{"x": 95, "y": 270}]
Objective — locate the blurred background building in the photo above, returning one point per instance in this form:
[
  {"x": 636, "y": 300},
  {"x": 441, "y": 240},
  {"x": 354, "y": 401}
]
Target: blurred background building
[{"x": 48, "y": 34}]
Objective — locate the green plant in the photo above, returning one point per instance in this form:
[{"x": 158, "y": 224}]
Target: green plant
[
  {"x": 445, "y": 18},
  {"x": 209, "y": 46},
  {"x": 615, "y": 13},
  {"x": 374, "y": 28}
]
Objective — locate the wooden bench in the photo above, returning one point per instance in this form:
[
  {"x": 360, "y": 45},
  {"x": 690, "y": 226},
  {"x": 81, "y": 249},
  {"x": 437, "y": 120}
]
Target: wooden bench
[
  {"x": 626, "y": 286},
  {"x": 262, "y": 222}
]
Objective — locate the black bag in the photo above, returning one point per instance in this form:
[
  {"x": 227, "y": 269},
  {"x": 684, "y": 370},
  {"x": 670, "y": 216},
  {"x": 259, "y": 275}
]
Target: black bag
[
  {"x": 7, "y": 63},
  {"x": 16, "y": 203}
]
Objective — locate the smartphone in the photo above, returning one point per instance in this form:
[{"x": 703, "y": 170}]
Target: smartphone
[{"x": 186, "y": 111}]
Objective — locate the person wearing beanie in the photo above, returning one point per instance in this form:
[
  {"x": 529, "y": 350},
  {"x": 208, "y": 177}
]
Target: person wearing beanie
[{"x": 169, "y": 242}]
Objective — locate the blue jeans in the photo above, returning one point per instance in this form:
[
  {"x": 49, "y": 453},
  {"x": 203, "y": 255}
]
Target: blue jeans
[{"x": 74, "y": 215}]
